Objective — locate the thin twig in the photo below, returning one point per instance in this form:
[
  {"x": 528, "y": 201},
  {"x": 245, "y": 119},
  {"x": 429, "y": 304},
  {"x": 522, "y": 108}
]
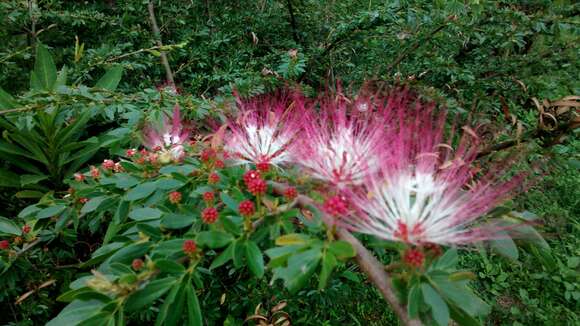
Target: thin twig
[
  {"x": 157, "y": 35},
  {"x": 367, "y": 262},
  {"x": 27, "y": 247},
  {"x": 417, "y": 44}
]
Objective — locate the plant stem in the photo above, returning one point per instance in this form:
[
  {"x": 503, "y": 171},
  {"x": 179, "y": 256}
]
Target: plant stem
[
  {"x": 157, "y": 35},
  {"x": 367, "y": 262}
]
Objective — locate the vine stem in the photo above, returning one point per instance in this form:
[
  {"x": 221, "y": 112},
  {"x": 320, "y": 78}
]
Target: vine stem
[{"x": 365, "y": 259}]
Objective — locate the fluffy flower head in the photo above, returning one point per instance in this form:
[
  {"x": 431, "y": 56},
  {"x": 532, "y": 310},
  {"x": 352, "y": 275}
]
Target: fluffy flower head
[
  {"x": 426, "y": 192},
  {"x": 265, "y": 129},
  {"x": 343, "y": 145},
  {"x": 169, "y": 139}
]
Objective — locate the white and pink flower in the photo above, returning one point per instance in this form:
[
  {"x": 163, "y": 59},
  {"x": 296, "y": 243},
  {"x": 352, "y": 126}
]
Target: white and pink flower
[
  {"x": 342, "y": 145},
  {"x": 168, "y": 140},
  {"x": 265, "y": 130},
  {"x": 425, "y": 191}
]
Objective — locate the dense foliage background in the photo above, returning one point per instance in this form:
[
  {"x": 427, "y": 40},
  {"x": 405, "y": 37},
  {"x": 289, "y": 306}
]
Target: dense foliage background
[{"x": 502, "y": 63}]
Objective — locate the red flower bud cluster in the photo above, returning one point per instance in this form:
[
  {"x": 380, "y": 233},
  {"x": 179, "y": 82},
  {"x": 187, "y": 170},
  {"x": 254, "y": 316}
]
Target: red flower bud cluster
[
  {"x": 247, "y": 208},
  {"x": 290, "y": 193},
  {"x": 413, "y": 257},
  {"x": 335, "y": 206},
  {"x": 175, "y": 197},
  {"x": 209, "y": 215},
  {"x": 189, "y": 247}
]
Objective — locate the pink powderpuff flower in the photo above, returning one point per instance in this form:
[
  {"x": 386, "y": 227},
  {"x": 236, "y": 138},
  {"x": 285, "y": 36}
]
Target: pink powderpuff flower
[
  {"x": 169, "y": 140},
  {"x": 426, "y": 192},
  {"x": 265, "y": 129},
  {"x": 343, "y": 144}
]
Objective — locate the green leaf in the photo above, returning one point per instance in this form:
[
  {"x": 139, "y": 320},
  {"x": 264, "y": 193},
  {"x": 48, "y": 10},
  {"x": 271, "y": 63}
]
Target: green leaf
[
  {"x": 505, "y": 247},
  {"x": 224, "y": 257},
  {"x": 9, "y": 227},
  {"x": 28, "y": 211},
  {"x": 50, "y": 211},
  {"x": 447, "y": 261},
  {"x": 29, "y": 194},
  {"x": 169, "y": 266},
  {"x": 62, "y": 76},
  {"x": 460, "y": 294},
  {"x": 255, "y": 259},
  {"x": 152, "y": 291},
  {"x": 342, "y": 249},
  {"x": 439, "y": 308},
  {"x": 44, "y": 69},
  {"x": 292, "y": 239},
  {"x": 9, "y": 179},
  {"x": 103, "y": 318},
  {"x": 6, "y": 100},
  {"x": 146, "y": 213},
  {"x": 141, "y": 191},
  {"x": 76, "y": 312},
  {"x": 194, "y": 317},
  {"x": 328, "y": 264},
  {"x": 127, "y": 254},
  {"x": 176, "y": 221},
  {"x": 110, "y": 79},
  {"x": 239, "y": 252},
  {"x": 414, "y": 300},
  {"x": 176, "y": 293},
  {"x": 461, "y": 317},
  {"x": 120, "y": 216},
  {"x": 229, "y": 202},
  {"x": 169, "y": 184},
  {"x": 299, "y": 270},
  {"x": 92, "y": 204},
  {"x": 214, "y": 239},
  {"x": 71, "y": 295},
  {"x": 27, "y": 179}
]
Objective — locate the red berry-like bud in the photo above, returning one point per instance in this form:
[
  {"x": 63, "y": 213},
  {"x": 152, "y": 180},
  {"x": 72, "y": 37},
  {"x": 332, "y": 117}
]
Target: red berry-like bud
[
  {"x": 189, "y": 247},
  {"x": 213, "y": 178},
  {"x": 131, "y": 152},
  {"x": 246, "y": 208},
  {"x": 108, "y": 164},
  {"x": 79, "y": 177},
  {"x": 257, "y": 187},
  {"x": 95, "y": 172},
  {"x": 263, "y": 166},
  {"x": 175, "y": 197},
  {"x": 208, "y": 196},
  {"x": 413, "y": 257},
  {"x": 118, "y": 167},
  {"x": 26, "y": 228},
  {"x": 251, "y": 175},
  {"x": 207, "y": 154},
  {"x": 4, "y": 244},
  {"x": 290, "y": 193},
  {"x": 152, "y": 158},
  {"x": 209, "y": 215},
  {"x": 137, "y": 264},
  {"x": 219, "y": 164},
  {"x": 335, "y": 206}
]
